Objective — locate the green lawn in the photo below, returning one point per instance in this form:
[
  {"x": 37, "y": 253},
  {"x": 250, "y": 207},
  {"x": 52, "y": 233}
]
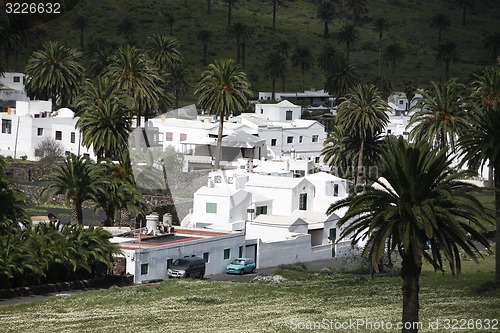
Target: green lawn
[{"x": 327, "y": 297}]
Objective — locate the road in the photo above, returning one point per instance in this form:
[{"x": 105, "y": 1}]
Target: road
[{"x": 312, "y": 266}]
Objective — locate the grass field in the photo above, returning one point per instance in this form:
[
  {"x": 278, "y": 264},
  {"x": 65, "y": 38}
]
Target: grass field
[{"x": 328, "y": 297}]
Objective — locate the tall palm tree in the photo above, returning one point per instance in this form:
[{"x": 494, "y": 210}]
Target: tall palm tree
[
  {"x": 464, "y": 6},
  {"x": 340, "y": 150},
  {"x": 80, "y": 23},
  {"x": 492, "y": 44},
  {"x": 275, "y": 3},
  {"x": 169, "y": 20},
  {"x": 164, "y": 51},
  {"x": 380, "y": 25},
  {"x": 356, "y": 8},
  {"x": 341, "y": 77},
  {"x": 410, "y": 90},
  {"x": 326, "y": 13},
  {"x": 246, "y": 34},
  {"x": 54, "y": 72},
  {"x": 283, "y": 48},
  {"x": 327, "y": 58},
  {"x": 364, "y": 112},
  {"x": 75, "y": 179},
  {"x": 303, "y": 58},
  {"x": 223, "y": 88},
  {"x": 481, "y": 141},
  {"x": 447, "y": 54},
  {"x": 440, "y": 22},
  {"x": 241, "y": 32},
  {"x": 417, "y": 200},
  {"x": 230, "y": 5},
  {"x": 106, "y": 128},
  {"x": 441, "y": 117},
  {"x": 349, "y": 36},
  {"x": 395, "y": 55},
  {"x": 274, "y": 68},
  {"x": 178, "y": 81},
  {"x": 127, "y": 28},
  {"x": 209, "y": 11},
  {"x": 137, "y": 75},
  {"x": 206, "y": 37}
]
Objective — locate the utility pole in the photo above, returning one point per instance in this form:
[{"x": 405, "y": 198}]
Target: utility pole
[{"x": 17, "y": 134}]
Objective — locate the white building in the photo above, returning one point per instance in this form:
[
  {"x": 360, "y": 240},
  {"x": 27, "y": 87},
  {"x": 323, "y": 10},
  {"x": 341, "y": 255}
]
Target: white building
[
  {"x": 25, "y": 126},
  {"x": 148, "y": 257},
  {"x": 311, "y": 97},
  {"x": 282, "y": 111},
  {"x": 12, "y": 88}
]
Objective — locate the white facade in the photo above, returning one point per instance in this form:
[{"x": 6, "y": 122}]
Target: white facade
[
  {"x": 12, "y": 87},
  {"x": 311, "y": 97},
  {"x": 148, "y": 260},
  {"x": 328, "y": 189},
  {"x": 24, "y": 127},
  {"x": 282, "y": 111}
]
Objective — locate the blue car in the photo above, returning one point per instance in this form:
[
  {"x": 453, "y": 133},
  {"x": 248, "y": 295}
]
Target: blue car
[{"x": 241, "y": 266}]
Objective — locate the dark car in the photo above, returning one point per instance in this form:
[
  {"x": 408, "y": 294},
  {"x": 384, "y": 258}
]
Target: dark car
[{"x": 188, "y": 267}]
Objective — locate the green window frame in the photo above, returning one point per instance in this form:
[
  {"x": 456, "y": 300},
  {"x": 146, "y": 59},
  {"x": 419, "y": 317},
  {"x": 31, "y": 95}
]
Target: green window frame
[
  {"x": 206, "y": 256},
  {"x": 144, "y": 269},
  {"x": 227, "y": 254}
]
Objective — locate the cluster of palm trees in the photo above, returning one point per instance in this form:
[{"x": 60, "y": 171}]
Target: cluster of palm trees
[
  {"x": 417, "y": 199},
  {"x": 48, "y": 252}
]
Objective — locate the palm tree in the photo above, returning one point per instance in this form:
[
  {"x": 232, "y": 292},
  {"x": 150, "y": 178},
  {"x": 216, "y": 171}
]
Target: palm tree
[
  {"x": 223, "y": 88},
  {"x": 380, "y": 25},
  {"x": 137, "y": 75},
  {"x": 326, "y": 13},
  {"x": 178, "y": 81},
  {"x": 464, "y": 5},
  {"x": 341, "y": 77},
  {"x": 441, "y": 117},
  {"x": 441, "y": 23},
  {"x": 206, "y": 38},
  {"x": 395, "y": 55},
  {"x": 302, "y": 58},
  {"x": 283, "y": 48},
  {"x": 127, "y": 28},
  {"x": 106, "y": 128},
  {"x": 327, "y": 58},
  {"x": 417, "y": 201},
  {"x": 275, "y": 6},
  {"x": 164, "y": 51},
  {"x": 340, "y": 150},
  {"x": 481, "y": 141},
  {"x": 410, "y": 89},
  {"x": 274, "y": 68},
  {"x": 356, "y": 8},
  {"x": 75, "y": 180},
  {"x": 208, "y": 8},
  {"x": 492, "y": 44},
  {"x": 246, "y": 34},
  {"x": 80, "y": 23},
  {"x": 54, "y": 72},
  {"x": 363, "y": 111},
  {"x": 169, "y": 20},
  {"x": 447, "y": 54},
  {"x": 230, "y": 5},
  {"x": 97, "y": 92},
  {"x": 349, "y": 36},
  {"x": 241, "y": 32}
]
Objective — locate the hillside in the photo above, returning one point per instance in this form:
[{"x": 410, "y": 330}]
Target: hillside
[{"x": 297, "y": 24}]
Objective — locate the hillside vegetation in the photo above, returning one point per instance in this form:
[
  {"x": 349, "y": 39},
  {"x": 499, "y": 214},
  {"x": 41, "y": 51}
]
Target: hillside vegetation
[{"x": 298, "y": 24}]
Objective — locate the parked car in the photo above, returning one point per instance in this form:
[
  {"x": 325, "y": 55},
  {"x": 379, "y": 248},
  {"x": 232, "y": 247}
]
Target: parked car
[
  {"x": 241, "y": 266},
  {"x": 188, "y": 267}
]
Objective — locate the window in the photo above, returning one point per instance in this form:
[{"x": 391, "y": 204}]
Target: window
[
  {"x": 217, "y": 179},
  {"x": 316, "y": 159},
  {"x": 211, "y": 208},
  {"x": 335, "y": 190},
  {"x": 401, "y": 102},
  {"x": 389, "y": 131},
  {"x": 168, "y": 136},
  {"x": 183, "y": 137},
  {"x": 86, "y": 155},
  {"x": 227, "y": 254},
  {"x": 67, "y": 152},
  {"x": 333, "y": 234},
  {"x": 314, "y": 138},
  {"x": 6, "y": 126},
  {"x": 240, "y": 252},
  {"x": 289, "y": 139},
  {"x": 39, "y": 131},
  {"x": 261, "y": 210},
  {"x": 273, "y": 142},
  {"x": 229, "y": 180},
  {"x": 17, "y": 79},
  {"x": 59, "y": 135},
  {"x": 301, "y": 138},
  {"x": 169, "y": 263},
  {"x": 206, "y": 256},
  {"x": 303, "y": 201},
  {"x": 73, "y": 136},
  {"x": 289, "y": 115},
  {"x": 262, "y": 110},
  {"x": 144, "y": 269}
]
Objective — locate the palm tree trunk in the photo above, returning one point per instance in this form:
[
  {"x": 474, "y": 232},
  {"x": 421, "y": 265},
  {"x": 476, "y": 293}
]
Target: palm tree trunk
[
  {"x": 205, "y": 47},
  {"x": 176, "y": 98},
  {"x": 238, "y": 54},
  {"x": 325, "y": 30},
  {"x": 491, "y": 171},
  {"x": 81, "y": 38},
  {"x": 229, "y": 8},
  {"x": 302, "y": 76},
  {"x": 208, "y": 8},
  {"x": 124, "y": 217},
  {"x": 410, "y": 272},
  {"x": 497, "y": 207},
  {"x": 379, "y": 61},
  {"x": 76, "y": 212},
  {"x": 463, "y": 15},
  {"x": 359, "y": 178},
  {"x": 219, "y": 142},
  {"x": 283, "y": 83},
  {"x": 110, "y": 219},
  {"x": 243, "y": 45},
  {"x": 446, "y": 71},
  {"x": 274, "y": 89}
]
